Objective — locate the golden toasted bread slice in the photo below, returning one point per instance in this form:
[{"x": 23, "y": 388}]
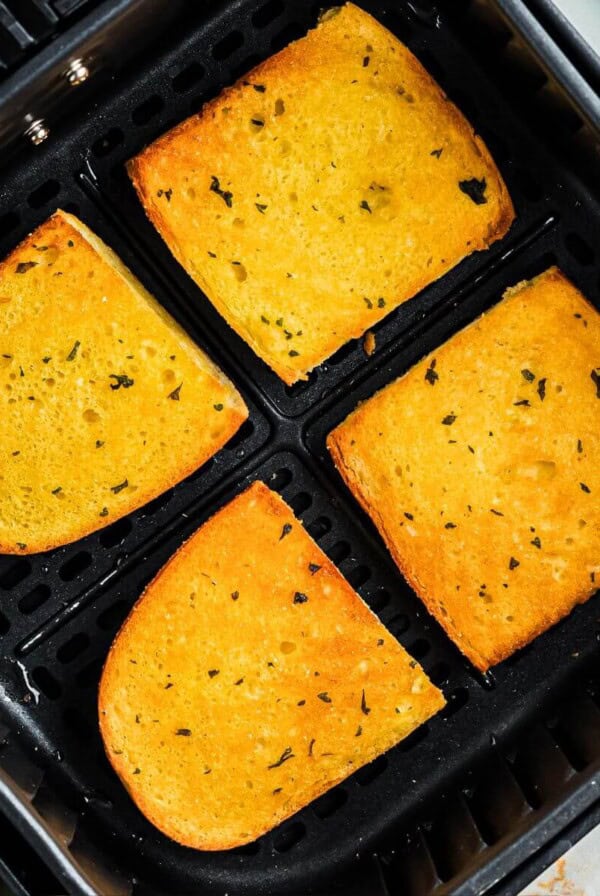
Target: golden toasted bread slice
[
  {"x": 320, "y": 192},
  {"x": 106, "y": 401},
  {"x": 480, "y": 469},
  {"x": 249, "y": 679}
]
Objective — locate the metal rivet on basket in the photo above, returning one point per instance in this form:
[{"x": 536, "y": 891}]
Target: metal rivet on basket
[
  {"x": 37, "y": 131},
  {"x": 77, "y": 72}
]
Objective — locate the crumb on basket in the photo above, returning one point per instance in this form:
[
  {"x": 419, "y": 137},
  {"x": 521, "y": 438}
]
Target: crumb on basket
[{"x": 369, "y": 344}]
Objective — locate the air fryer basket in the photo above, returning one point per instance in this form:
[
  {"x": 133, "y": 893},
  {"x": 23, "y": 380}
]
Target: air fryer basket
[{"x": 514, "y": 757}]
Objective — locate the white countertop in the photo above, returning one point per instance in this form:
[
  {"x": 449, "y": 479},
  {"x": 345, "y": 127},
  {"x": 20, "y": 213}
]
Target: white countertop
[
  {"x": 585, "y": 16},
  {"x": 576, "y": 874}
]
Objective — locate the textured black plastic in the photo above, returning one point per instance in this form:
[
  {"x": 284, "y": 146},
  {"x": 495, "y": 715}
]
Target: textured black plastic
[{"x": 59, "y": 611}]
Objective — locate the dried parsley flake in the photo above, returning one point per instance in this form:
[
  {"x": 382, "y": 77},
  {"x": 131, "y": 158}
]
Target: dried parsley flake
[
  {"x": 287, "y": 754},
  {"x": 121, "y": 379},
  {"x": 287, "y": 528},
  {"x": 73, "y": 353},
  {"x": 474, "y": 189},
  {"x": 541, "y": 388},
  {"x": 363, "y": 704},
  {"x": 226, "y": 195},
  {"x": 431, "y": 375}
]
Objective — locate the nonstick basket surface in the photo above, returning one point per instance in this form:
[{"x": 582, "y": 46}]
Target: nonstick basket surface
[{"x": 456, "y": 805}]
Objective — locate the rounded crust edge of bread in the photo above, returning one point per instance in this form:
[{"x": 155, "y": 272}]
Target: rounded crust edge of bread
[
  {"x": 237, "y": 414},
  {"x": 214, "y": 843}
]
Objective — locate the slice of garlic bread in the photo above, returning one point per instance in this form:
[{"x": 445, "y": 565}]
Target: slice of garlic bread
[
  {"x": 106, "y": 402},
  {"x": 324, "y": 189},
  {"x": 249, "y": 679},
  {"x": 480, "y": 469}
]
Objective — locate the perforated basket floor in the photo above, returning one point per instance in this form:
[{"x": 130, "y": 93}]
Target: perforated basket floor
[{"x": 453, "y": 807}]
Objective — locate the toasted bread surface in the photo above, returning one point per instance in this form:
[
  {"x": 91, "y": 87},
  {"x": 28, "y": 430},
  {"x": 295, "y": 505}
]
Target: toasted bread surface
[
  {"x": 325, "y": 188},
  {"x": 249, "y": 679},
  {"x": 479, "y": 468},
  {"x": 106, "y": 401}
]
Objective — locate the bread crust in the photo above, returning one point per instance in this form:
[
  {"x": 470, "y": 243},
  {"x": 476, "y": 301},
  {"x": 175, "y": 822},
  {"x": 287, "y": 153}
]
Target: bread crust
[
  {"x": 325, "y": 226},
  {"x": 70, "y": 370},
  {"x": 283, "y": 632},
  {"x": 505, "y": 572}
]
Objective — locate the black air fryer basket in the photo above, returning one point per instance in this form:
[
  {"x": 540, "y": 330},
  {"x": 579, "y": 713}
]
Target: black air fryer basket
[{"x": 479, "y": 798}]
